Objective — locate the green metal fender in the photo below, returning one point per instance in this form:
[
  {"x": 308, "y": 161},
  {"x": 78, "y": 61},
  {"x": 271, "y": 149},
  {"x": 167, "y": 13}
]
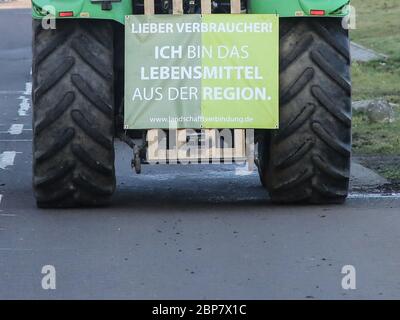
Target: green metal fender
[
  {"x": 296, "y": 8},
  {"x": 85, "y": 9}
]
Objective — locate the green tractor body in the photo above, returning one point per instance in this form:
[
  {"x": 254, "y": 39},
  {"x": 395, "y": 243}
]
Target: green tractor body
[
  {"x": 119, "y": 9},
  {"x": 78, "y": 100}
]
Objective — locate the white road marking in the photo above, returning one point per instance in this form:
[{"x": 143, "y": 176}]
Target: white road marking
[
  {"x": 5, "y": 214},
  {"x": 11, "y": 92},
  {"x": 374, "y": 196},
  {"x": 16, "y": 128},
  {"x": 17, "y": 140},
  {"x": 14, "y": 249},
  {"x": 24, "y": 106},
  {"x": 7, "y": 159},
  {"x": 28, "y": 88}
]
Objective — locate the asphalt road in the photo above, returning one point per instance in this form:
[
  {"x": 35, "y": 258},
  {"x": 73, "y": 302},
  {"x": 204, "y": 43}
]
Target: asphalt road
[{"x": 177, "y": 232}]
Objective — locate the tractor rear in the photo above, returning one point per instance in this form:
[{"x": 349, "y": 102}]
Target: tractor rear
[{"x": 78, "y": 99}]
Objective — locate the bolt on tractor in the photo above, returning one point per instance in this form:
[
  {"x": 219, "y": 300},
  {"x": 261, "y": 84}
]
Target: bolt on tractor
[{"x": 82, "y": 99}]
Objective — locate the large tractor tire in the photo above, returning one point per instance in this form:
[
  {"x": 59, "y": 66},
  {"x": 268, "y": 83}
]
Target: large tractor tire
[
  {"x": 73, "y": 113},
  {"x": 308, "y": 159}
]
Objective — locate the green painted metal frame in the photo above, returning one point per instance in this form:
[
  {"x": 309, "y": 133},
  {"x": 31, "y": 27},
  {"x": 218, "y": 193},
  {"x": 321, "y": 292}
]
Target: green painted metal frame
[
  {"x": 85, "y": 9},
  {"x": 296, "y": 8}
]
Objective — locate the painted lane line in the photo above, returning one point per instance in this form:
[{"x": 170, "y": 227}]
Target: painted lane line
[
  {"x": 14, "y": 249},
  {"x": 7, "y": 159},
  {"x": 24, "y": 106},
  {"x": 374, "y": 196},
  {"x": 28, "y": 88},
  {"x": 17, "y": 140},
  {"x": 11, "y": 92},
  {"x": 5, "y": 214},
  {"x": 16, "y": 128}
]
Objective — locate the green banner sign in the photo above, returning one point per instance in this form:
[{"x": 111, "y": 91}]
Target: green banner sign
[{"x": 202, "y": 71}]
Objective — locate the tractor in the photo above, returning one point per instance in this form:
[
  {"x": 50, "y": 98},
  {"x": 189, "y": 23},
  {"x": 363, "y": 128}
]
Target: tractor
[{"x": 78, "y": 99}]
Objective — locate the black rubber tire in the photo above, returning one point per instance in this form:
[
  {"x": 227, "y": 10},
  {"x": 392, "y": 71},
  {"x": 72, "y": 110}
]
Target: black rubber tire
[
  {"x": 73, "y": 114},
  {"x": 308, "y": 159}
]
